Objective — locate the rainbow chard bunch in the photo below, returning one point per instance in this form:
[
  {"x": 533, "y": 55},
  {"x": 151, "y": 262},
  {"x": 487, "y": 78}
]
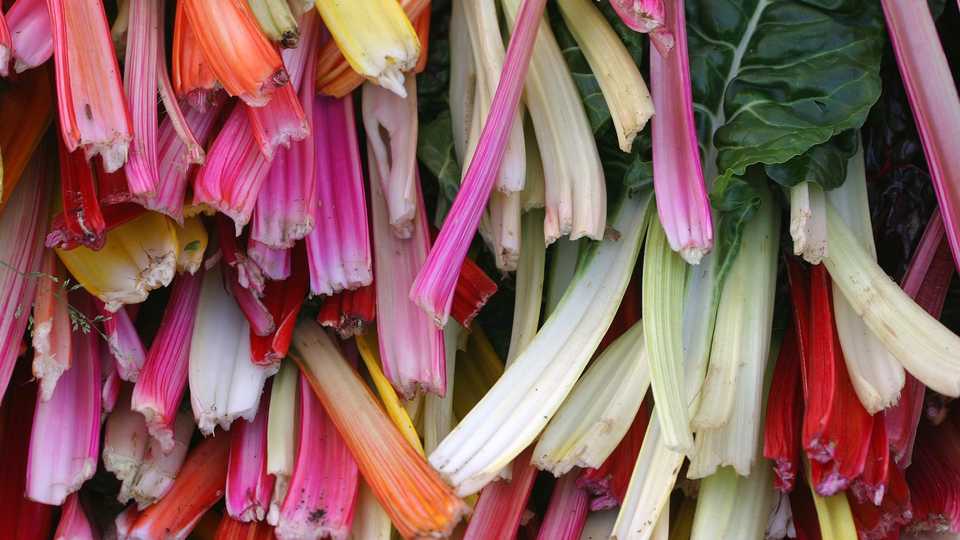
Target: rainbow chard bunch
[{"x": 482, "y": 269}]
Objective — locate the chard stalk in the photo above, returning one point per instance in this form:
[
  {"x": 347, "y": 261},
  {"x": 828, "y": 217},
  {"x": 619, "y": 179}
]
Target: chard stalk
[
  {"x": 620, "y": 81},
  {"x": 391, "y": 125},
  {"x": 833, "y": 514},
  {"x": 533, "y": 195},
  {"x": 433, "y": 290},
  {"x": 65, "y": 437},
  {"x": 231, "y": 529},
  {"x": 324, "y": 479},
  {"x": 192, "y": 238},
  {"x": 411, "y": 492},
  {"x": 876, "y": 375},
  {"x": 236, "y": 52},
  {"x": 518, "y": 407},
  {"x": 784, "y": 414},
  {"x": 338, "y": 248},
  {"x": 563, "y": 265},
  {"x": 93, "y": 112},
  {"x": 411, "y": 346},
  {"x": 161, "y": 384},
  {"x": 6, "y": 48},
  {"x": 74, "y": 523},
  {"x": 371, "y": 522},
  {"x": 682, "y": 202},
  {"x": 529, "y": 279},
  {"x": 141, "y": 70},
  {"x": 438, "y": 417},
  {"x": 124, "y": 445},
  {"x": 27, "y": 109},
  {"x": 486, "y": 44},
  {"x": 277, "y": 20},
  {"x": 597, "y": 414},
  {"x": 732, "y": 506},
  {"x": 663, "y": 291},
  {"x": 502, "y": 503},
  {"x": 934, "y": 102},
  {"x": 193, "y": 79},
  {"x": 927, "y": 349},
  {"x": 249, "y": 486},
  {"x": 575, "y": 189},
  {"x": 197, "y": 488},
  {"x": 376, "y": 38},
  {"x": 224, "y": 383},
  {"x": 51, "y": 326},
  {"x": 30, "y": 34},
  {"x": 473, "y": 290},
  {"x": 475, "y": 377},
  {"x": 608, "y": 483},
  {"x": 567, "y": 511},
  {"x": 644, "y": 16},
  {"x": 463, "y": 80},
  {"x": 274, "y": 263},
  {"x": 160, "y": 467},
  {"x": 730, "y": 414},
  {"x": 808, "y": 221},
  {"x": 23, "y": 221},
  {"x": 282, "y": 435},
  {"x": 283, "y": 300}
]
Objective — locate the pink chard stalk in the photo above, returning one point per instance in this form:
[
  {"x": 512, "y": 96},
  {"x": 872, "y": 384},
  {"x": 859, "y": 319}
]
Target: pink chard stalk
[
  {"x": 501, "y": 504},
  {"x": 140, "y": 84},
  {"x": 6, "y": 47},
  {"x": 323, "y": 488},
  {"x": 288, "y": 199},
  {"x": 338, "y": 249},
  {"x": 74, "y": 524},
  {"x": 649, "y": 17},
  {"x": 160, "y": 387},
  {"x": 30, "y": 32},
  {"x": 435, "y": 284},
  {"x": 682, "y": 202},
  {"x": 567, "y": 512},
  {"x": 65, "y": 439},
  {"x": 934, "y": 102},
  {"x": 411, "y": 346},
  {"x": 123, "y": 342},
  {"x": 93, "y": 112},
  {"x": 24, "y": 221},
  {"x": 274, "y": 262},
  {"x": 249, "y": 487}
]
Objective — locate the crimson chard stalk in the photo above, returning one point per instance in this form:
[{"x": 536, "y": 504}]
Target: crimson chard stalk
[
  {"x": 434, "y": 286},
  {"x": 933, "y": 100},
  {"x": 249, "y": 487},
  {"x": 93, "y": 112},
  {"x": 682, "y": 202},
  {"x": 784, "y": 415}
]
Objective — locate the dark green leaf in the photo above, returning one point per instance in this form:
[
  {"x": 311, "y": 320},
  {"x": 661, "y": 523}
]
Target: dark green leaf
[
  {"x": 825, "y": 164},
  {"x": 435, "y": 151}
]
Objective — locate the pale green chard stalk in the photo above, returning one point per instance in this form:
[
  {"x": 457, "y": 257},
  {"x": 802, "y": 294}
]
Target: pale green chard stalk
[
  {"x": 733, "y": 507},
  {"x": 277, "y": 21},
  {"x": 529, "y": 294},
  {"x": 563, "y": 264},
  {"x": 663, "y": 289},
  {"x": 620, "y": 81},
  {"x": 518, "y": 407},
  {"x": 876, "y": 375},
  {"x": 926, "y": 348},
  {"x": 282, "y": 430},
  {"x": 438, "y": 411},
  {"x": 740, "y": 351},
  {"x": 599, "y": 411}
]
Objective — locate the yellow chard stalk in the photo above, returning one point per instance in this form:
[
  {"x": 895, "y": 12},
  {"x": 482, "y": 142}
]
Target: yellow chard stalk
[
  {"x": 376, "y": 38},
  {"x": 192, "y": 238},
  {"x": 137, "y": 257}
]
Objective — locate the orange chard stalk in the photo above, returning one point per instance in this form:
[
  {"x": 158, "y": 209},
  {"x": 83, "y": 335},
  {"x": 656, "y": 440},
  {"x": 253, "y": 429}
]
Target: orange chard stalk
[
  {"x": 92, "y": 105},
  {"x": 336, "y": 78},
  {"x": 27, "y": 109},
  {"x": 236, "y": 50},
  {"x": 418, "y": 502},
  {"x": 51, "y": 325},
  {"x": 197, "y": 488},
  {"x": 193, "y": 79}
]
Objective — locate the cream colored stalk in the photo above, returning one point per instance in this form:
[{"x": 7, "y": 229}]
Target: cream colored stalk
[
  {"x": 282, "y": 435},
  {"x": 160, "y": 468},
  {"x": 533, "y": 195},
  {"x": 529, "y": 279},
  {"x": 488, "y": 53},
  {"x": 370, "y": 522},
  {"x": 124, "y": 445},
  {"x": 620, "y": 81},
  {"x": 376, "y": 38},
  {"x": 926, "y": 348},
  {"x": 876, "y": 375},
  {"x": 438, "y": 417},
  {"x": 599, "y": 411},
  {"x": 740, "y": 352},
  {"x": 564, "y": 257},
  {"x": 575, "y": 190},
  {"x": 808, "y": 222},
  {"x": 731, "y": 507},
  {"x": 463, "y": 79},
  {"x": 518, "y": 407},
  {"x": 224, "y": 383}
]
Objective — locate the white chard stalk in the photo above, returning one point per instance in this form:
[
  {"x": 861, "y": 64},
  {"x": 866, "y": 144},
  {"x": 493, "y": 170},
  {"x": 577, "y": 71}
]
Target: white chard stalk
[
  {"x": 224, "y": 383},
  {"x": 575, "y": 190},
  {"x": 741, "y": 349},
  {"x": 529, "y": 293},
  {"x": 599, "y": 411},
  {"x": 808, "y": 221},
  {"x": 620, "y": 81},
  {"x": 876, "y": 375},
  {"x": 518, "y": 407},
  {"x": 926, "y": 348}
]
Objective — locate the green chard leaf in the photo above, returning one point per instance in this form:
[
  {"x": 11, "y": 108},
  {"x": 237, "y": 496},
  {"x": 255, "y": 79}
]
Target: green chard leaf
[
  {"x": 825, "y": 164},
  {"x": 774, "y": 84}
]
